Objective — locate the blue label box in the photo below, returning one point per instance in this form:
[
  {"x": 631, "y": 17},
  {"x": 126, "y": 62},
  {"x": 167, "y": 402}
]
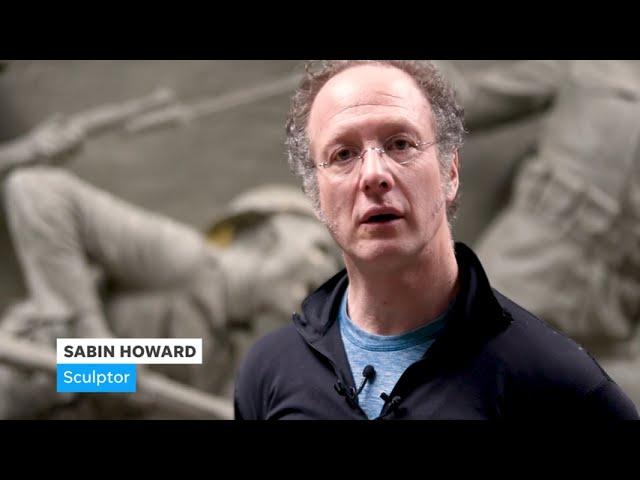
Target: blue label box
[{"x": 96, "y": 378}]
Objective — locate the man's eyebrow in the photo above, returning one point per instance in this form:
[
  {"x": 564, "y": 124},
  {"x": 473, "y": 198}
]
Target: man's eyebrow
[{"x": 391, "y": 125}]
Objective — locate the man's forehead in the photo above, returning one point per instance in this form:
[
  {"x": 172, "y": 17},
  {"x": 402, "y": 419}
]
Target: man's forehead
[
  {"x": 364, "y": 88},
  {"x": 363, "y": 84}
]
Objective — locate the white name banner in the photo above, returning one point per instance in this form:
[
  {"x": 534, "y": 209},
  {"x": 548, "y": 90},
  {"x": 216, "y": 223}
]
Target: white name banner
[{"x": 129, "y": 350}]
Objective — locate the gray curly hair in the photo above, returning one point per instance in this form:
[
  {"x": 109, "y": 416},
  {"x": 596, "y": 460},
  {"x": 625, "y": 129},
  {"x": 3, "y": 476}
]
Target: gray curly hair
[{"x": 447, "y": 116}]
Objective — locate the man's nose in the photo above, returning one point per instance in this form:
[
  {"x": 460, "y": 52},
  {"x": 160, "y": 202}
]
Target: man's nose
[{"x": 375, "y": 174}]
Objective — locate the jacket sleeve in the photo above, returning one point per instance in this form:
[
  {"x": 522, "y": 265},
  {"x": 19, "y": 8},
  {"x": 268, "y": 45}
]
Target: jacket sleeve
[
  {"x": 609, "y": 402},
  {"x": 239, "y": 412},
  {"x": 505, "y": 91},
  {"x": 248, "y": 398}
]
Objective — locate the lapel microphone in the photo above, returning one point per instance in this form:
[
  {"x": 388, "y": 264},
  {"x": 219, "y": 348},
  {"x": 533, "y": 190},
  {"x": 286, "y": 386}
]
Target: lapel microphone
[
  {"x": 350, "y": 393},
  {"x": 369, "y": 373}
]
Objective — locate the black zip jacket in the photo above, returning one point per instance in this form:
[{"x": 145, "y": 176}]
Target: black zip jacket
[{"x": 492, "y": 360}]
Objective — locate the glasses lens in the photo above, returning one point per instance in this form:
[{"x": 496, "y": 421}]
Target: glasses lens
[{"x": 401, "y": 150}]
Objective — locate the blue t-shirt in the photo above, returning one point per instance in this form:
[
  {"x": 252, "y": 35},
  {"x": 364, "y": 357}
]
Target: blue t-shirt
[{"x": 390, "y": 355}]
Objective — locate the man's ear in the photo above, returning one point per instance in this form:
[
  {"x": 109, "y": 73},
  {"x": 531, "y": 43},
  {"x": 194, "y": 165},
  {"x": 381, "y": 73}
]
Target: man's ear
[{"x": 454, "y": 178}]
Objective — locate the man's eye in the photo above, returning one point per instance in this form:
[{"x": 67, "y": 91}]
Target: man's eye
[
  {"x": 399, "y": 144},
  {"x": 344, "y": 155}
]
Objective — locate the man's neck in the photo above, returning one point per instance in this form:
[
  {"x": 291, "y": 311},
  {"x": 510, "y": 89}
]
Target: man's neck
[{"x": 396, "y": 300}]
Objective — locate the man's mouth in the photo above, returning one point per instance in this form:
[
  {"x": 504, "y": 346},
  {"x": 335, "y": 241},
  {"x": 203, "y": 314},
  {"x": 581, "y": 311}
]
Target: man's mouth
[{"x": 382, "y": 218}]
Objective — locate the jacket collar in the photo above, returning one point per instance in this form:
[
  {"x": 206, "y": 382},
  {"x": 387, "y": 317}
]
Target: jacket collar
[{"x": 474, "y": 317}]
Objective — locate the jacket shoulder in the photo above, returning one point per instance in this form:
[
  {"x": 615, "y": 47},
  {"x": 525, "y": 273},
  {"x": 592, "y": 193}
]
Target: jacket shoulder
[
  {"x": 547, "y": 367},
  {"x": 531, "y": 346},
  {"x": 258, "y": 370}
]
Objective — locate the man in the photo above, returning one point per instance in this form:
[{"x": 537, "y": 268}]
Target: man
[
  {"x": 412, "y": 328},
  {"x": 573, "y": 224},
  {"x": 97, "y": 266}
]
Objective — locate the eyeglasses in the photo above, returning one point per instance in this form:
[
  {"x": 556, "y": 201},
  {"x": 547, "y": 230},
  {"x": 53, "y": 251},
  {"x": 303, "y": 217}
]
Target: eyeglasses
[{"x": 399, "y": 150}]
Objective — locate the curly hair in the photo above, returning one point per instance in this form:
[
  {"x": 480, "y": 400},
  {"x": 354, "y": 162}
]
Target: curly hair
[{"x": 447, "y": 116}]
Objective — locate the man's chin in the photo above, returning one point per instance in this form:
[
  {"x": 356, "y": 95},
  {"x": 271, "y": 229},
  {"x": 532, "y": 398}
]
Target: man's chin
[{"x": 380, "y": 253}]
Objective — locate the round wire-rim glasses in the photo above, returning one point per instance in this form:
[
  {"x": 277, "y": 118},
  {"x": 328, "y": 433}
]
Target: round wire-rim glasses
[{"x": 398, "y": 156}]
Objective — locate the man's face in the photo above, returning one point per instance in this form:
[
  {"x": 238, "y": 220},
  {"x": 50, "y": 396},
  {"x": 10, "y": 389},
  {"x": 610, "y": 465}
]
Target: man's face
[{"x": 381, "y": 213}]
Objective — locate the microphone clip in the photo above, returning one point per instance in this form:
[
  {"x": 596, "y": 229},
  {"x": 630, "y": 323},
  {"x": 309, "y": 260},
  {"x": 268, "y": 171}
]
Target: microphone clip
[
  {"x": 391, "y": 404},
  {"x": 350, "y": 393}
]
